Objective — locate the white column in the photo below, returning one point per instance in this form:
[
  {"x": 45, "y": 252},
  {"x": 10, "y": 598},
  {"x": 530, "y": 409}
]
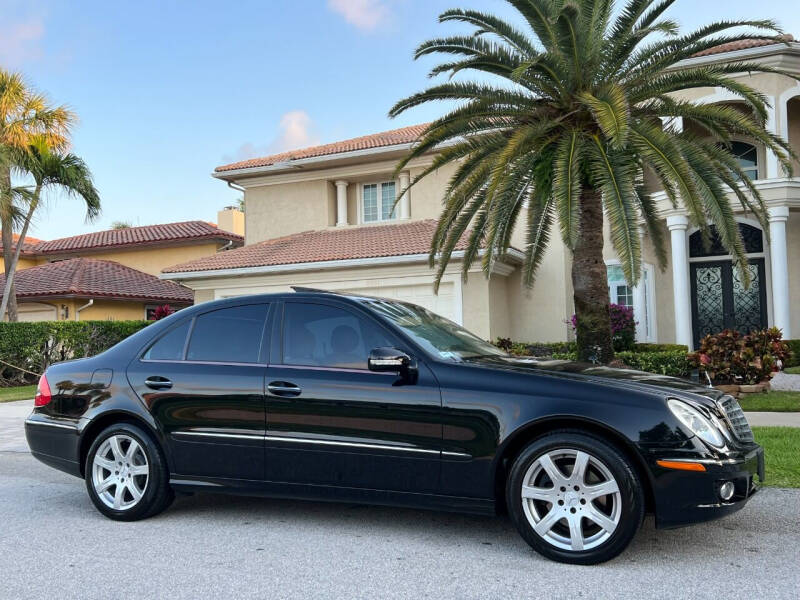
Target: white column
[
  {"x": 404, "y": 205},
  {"x": 639, "y": 300},
  {"x": 677, "y": 225},
  {"x": 772, "y": 127},
  {"x": 779, "y": 261},
  {"x": 341, "y": 203}
]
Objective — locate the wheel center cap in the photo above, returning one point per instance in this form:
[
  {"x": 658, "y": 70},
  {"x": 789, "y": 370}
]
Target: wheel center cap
[{"x": 571, "y": 499}]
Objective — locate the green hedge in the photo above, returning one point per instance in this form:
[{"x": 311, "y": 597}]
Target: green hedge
[
  {"x": 669, "y": 362},
  {"x": 34, "y": 346},
  {"x": 794, "y": 359}
]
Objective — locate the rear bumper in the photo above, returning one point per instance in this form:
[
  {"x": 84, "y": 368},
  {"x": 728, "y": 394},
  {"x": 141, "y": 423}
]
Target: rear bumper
[
  {"x": 687, "y": 497},
  {"x": 55, "y": 442}
]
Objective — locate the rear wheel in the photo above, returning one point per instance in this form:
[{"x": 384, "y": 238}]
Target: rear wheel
[
  {"x": 126, "y": 474},
  {"x": 575, "y": 498}
]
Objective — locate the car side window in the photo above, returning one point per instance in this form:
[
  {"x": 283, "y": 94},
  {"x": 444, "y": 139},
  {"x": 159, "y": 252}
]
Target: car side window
[
  {"x": 232, "y": 334},
  {"x": 328, "y": 336},
  {"x": 170, "y": 345}
]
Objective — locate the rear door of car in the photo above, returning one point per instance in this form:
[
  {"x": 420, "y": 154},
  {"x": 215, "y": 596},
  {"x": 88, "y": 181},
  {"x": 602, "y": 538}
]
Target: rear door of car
[
  {"x": 330, "y": 420},
  {"x": 204, "y": 383}
]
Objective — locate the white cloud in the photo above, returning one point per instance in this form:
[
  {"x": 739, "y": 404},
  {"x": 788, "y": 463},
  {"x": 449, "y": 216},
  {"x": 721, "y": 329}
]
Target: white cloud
[
  {"x": 21, "y": 41},
  {"x": 296, "y": 130},
  {"x": 364, "y": 14}
]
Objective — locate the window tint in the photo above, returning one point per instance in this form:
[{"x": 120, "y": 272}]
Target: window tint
[
  {"x": 327, "y": 336},
  {"x": 169, "y": 346},
  {"x": 229, "y": 334}
]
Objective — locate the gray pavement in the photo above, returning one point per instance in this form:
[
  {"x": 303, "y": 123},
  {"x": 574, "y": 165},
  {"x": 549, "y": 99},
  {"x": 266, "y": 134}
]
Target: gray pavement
[
  {"x": 778, "y": 419},
  {"x": 53, "y": 543}
]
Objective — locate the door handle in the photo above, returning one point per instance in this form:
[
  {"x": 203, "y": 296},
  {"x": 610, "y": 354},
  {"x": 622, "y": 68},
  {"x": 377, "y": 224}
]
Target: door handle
[
  {"x": 283, "y": 388},
  {"x": 158, "y": 383}
]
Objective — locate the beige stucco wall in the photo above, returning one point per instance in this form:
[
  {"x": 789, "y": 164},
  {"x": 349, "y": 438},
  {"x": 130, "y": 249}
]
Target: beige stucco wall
[
  {"x": 793, "y": 243},
  {"x": 101, "y": 310},
  {"x": 282, "y": 209},
  {"x": 793, "y": 112}
]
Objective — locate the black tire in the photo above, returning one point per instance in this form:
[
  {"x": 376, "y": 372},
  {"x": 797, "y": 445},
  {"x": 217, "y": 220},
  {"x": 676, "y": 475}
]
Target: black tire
[
  {"x": 157, "y": 494},
  {"x": 523, "y": 511}
]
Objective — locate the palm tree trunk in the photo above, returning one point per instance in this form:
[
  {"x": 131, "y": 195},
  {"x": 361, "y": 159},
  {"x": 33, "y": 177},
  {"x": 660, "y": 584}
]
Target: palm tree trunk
[
  {"x": 7, "y": 237},
  {"x": 8, "y": 291},
  {"x": 590, "y": 284}
]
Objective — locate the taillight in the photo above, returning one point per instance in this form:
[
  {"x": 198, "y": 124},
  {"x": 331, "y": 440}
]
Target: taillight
[{"x": 43, "y": 395}]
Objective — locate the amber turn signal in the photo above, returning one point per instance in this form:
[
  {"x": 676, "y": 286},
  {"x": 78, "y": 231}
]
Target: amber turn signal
[{"x": 680, "y": 465}]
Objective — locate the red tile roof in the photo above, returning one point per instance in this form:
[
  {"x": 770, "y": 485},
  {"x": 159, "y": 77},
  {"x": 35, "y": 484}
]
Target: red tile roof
[
  {"x": 92, "y": 278},
  {"x": 325, "y": 245},
  {"x": 137, "y": 236},
  {"x": 741, "y": 45},
  {"x": 404, "y": 135}
]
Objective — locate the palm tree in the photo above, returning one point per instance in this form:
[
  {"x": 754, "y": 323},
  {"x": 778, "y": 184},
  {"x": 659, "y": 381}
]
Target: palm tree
[
  {"x": 562, "y": 124},
  {"x": 48, "y": 169},
  {"x": 24, "y": 116}
]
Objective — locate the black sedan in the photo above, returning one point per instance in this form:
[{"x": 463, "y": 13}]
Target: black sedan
[{"x": 359, "y": 399}]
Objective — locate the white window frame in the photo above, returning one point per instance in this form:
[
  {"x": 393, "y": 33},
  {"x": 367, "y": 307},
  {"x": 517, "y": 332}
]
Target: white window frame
[
  {"x": 646, "y": 331},
  {"x": 379, "y": 188}
]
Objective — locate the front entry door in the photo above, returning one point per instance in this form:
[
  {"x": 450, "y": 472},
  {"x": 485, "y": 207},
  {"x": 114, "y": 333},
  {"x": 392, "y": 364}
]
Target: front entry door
[
  {"x": 331, "y": 421},
  {"x": 720, "y": 300}
]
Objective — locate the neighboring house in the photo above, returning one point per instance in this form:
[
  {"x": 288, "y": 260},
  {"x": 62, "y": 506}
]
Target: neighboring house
[
  {"x": 323, "y": 217},
  {"x": 113, "y": 274}
]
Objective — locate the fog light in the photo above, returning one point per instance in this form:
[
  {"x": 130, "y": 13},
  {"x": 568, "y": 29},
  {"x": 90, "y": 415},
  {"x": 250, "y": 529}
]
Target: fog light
[{"x": 726, "y": 490}]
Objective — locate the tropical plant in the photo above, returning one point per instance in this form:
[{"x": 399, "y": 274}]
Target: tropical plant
[
  {"x": 567, "y": 114},
  {"x": 25, "y": 116},
  {"x": 48, "y": 169},
  {"x": 729, "y": 357}
]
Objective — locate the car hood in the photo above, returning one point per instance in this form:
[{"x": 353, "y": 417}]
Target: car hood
[{"x": 629, "y": 378}]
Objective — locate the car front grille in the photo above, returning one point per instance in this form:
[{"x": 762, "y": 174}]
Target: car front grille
[{"x": 735, "y": 415}]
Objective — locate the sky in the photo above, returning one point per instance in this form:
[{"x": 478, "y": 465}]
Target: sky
[{"x": 166, "y": 91}]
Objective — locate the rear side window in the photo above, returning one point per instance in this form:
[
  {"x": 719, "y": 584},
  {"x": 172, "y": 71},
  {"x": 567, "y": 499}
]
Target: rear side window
[
  {"x": 229, "y": 335},
  {"x": 169, "y": 346}
]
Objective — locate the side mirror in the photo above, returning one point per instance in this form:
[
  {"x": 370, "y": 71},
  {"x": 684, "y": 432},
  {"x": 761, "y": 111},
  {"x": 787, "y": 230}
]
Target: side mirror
[{"x": 388, "y": 360}]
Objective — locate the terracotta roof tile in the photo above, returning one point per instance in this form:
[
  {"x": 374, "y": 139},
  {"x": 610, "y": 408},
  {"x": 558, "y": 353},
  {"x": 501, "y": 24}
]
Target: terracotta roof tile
[
  {"x": 741, "y": 45},
  {"x": 404, "y": 135},
  {"x": 92, "y": 278},
  {"x": 325, "y": 245},
  {"x": 136, "y": 236}
]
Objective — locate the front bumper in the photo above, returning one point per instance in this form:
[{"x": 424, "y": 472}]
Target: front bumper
[
  {"x": 54, "y": 441},
  {"x": 687, "y": 497}
]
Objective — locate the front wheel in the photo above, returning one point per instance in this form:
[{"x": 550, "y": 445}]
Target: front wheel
[
  {"x": 575, "y": 498},
  {"x": 126, "y": 475}
]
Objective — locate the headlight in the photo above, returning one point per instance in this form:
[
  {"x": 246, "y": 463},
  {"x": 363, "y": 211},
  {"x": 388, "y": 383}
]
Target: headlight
[{"x": 696, "y": 422}]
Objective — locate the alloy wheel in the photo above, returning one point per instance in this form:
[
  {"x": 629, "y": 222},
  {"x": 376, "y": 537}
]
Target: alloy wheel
[
  {"x": 120, "y": 472},
  {"x": 571, "y": 499}
]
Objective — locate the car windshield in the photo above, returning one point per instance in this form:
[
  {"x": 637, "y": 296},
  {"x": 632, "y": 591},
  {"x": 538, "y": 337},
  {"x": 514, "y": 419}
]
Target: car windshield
[{"x": 439, "y": 336}]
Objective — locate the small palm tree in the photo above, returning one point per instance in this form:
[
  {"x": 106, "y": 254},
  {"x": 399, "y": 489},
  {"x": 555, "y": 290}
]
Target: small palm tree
[
  {"x": 48, "y": 169},
  {"x": 566, "y": 118},
  {"x": 25, "y": 115}
]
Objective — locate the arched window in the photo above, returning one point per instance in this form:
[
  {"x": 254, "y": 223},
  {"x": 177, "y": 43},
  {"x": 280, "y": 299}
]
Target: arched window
[
  {"x": 752, "y": 237},
  {"x": 747, "y": 156}
]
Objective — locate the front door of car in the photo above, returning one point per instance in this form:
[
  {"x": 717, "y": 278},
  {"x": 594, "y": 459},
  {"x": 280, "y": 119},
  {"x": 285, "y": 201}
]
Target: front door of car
[
  {"x": 203, "y": 381},
  {"x": 331, "y": 421}
]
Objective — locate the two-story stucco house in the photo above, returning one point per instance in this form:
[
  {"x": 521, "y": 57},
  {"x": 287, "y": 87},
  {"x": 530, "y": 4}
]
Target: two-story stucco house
[{"x": 323, "y": 217}]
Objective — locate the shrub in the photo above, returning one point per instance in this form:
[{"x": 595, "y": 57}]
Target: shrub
[
  {"x": 538, "y": 349},
  {"x": 35, "y": 346},
  {"x": 794, "y": 358},
  {"x": 648, "y": 347},
  {"x": 666, "y": 362},
  {"x": 729, "y": 357},
  {"x": 623, "y": 326},
  {"x": 162, "y": 311}
]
